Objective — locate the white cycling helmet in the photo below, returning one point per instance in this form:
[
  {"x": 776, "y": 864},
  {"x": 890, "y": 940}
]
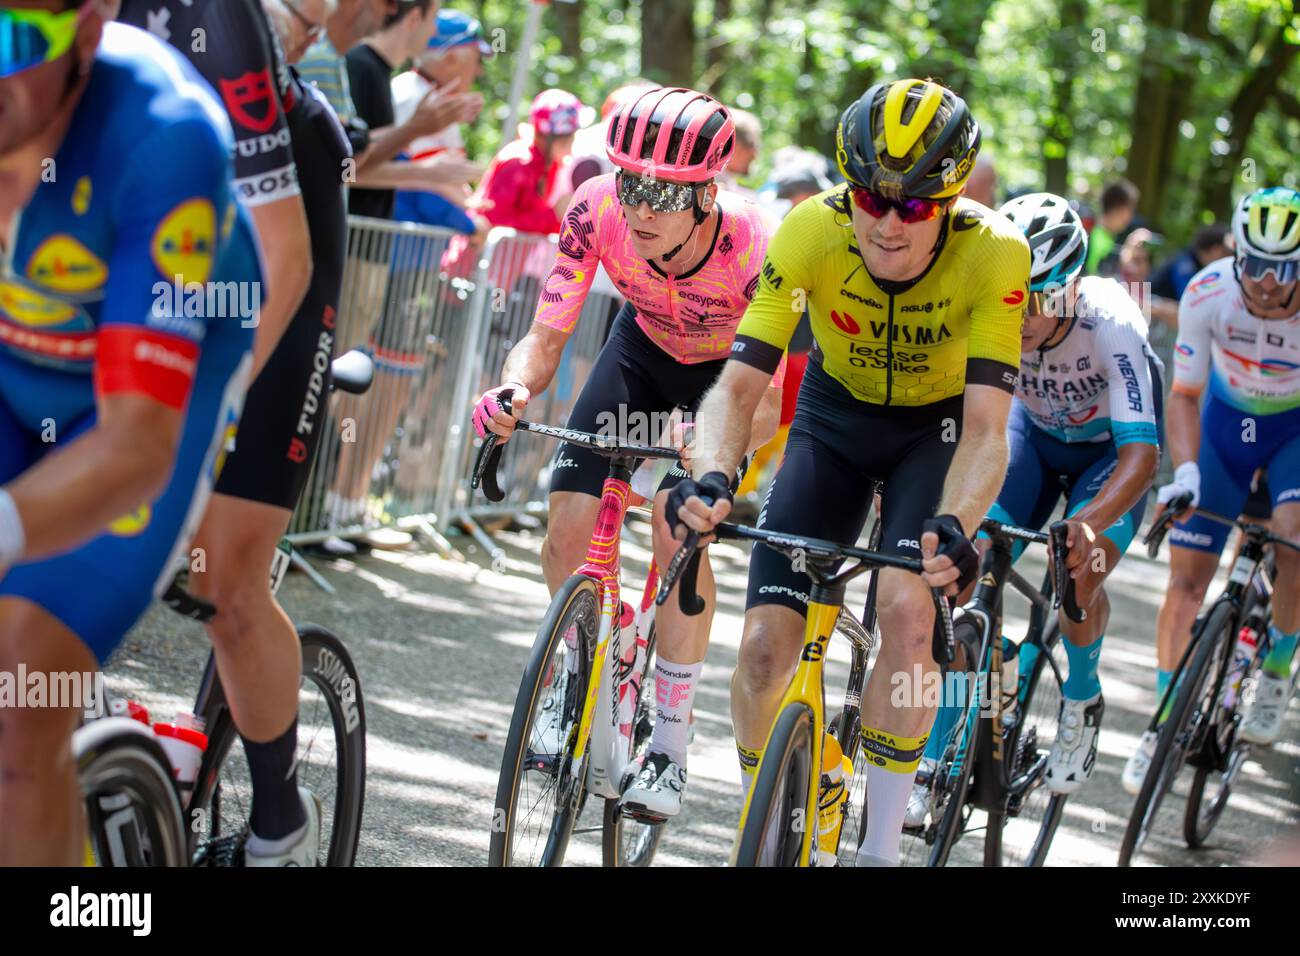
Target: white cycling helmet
[
  {"x": 1058, "y": 244},
  {"x": 1266, "y": 227}
]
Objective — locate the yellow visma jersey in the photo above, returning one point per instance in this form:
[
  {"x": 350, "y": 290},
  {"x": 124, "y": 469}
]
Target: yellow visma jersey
[{"x": 890, "y": 343}]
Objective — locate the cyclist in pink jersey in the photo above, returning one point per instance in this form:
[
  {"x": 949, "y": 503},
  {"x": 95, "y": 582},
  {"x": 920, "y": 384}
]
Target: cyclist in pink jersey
[{"x": 687, "y": 259}]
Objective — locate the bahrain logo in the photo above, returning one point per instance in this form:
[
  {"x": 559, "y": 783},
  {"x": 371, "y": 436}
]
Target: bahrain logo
[
  {"x": 63, "y": 264},
  {"x": 183, "y": 244}
]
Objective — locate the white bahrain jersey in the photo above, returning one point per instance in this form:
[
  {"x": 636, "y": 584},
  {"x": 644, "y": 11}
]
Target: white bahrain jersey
[
  {"x": 1255, "y": 362},
  {"x": 1097, "y": 384}
]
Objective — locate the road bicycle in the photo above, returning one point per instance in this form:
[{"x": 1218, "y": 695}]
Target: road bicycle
[
  {"x": 779, "y": 819},
  {"x": 136, "y": 814},
  {"x": 1207, "y": 689},
  {"x": 584, "y": 711},
  {"x": 994, "y": 756}
]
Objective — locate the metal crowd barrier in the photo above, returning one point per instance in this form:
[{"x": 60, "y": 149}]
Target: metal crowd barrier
[{"x": 439, "y": 321}]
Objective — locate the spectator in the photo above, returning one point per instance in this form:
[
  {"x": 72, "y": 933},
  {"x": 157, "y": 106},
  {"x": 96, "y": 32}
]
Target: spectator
[
  {"x": 519, "y": 187},
  {"x": 1119, "y": 202},
  {"x": 1209, "y": 244},
  {"x": 797, "y": 174},
  {"x": 1135, "y": 272},
  {"x": 452, "y": 62},
  {"x": 749, "y": 139},
  {"x": 299, "y": 24},
  {"x": 982, "y": 185},
  {"x": 393, "y": 344}
]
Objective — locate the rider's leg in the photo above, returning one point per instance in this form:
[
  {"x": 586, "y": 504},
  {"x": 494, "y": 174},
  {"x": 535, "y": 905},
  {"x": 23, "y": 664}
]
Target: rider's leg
[
  {"x": 1190, "y": 574},
  {"x": 257, "y": 650},
  {"x": 769, "y": 653},
  {"x": 569, "y": 526},
  {"x": 41, "y": 818},
  {"x": 1286, "y": 593},
  {"x": 895, "y": 717},
  {"x": 681, "y": 643}
]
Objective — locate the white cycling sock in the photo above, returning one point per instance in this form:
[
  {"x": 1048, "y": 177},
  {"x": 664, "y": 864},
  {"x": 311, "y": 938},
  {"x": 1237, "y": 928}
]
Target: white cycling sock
[
  {"x": 674, "y": 691},
  {"x": 887, "y": 793}
]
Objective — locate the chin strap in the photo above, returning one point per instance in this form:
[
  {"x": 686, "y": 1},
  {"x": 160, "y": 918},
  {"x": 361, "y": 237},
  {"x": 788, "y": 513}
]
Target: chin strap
[{"x": 700, "y": 215}]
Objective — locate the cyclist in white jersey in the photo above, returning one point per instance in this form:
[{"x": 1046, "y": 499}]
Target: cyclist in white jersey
[
  {"x": 1238, "y": 331},
  {"x": 1084, "y": 423}
]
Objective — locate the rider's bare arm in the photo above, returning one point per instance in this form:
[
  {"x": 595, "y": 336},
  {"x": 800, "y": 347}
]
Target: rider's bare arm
[
  {"x": 70, "y": 495},
  {"x": 533, "y": 361},
  {"x": 767, "y": 419},
  {"x": 725, "y": 424},
  {"x": 979, "y": 463},
  {"x": 1183, "y": 426},
  {"x": 1133, "y": 474}
]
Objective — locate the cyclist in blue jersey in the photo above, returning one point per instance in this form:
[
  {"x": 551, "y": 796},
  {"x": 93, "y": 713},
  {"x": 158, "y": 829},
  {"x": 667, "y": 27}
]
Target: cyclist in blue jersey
[
  {"x": 1084, "y": 425},
  {"x": 130, "y": 284}
]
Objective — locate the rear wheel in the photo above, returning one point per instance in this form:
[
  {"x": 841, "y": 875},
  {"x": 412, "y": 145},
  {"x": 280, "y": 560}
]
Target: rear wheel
[
  {"x": 777, "y": 823},
  {"x": 540, "y": 794},
  {"x": 1179, "y": 734}
]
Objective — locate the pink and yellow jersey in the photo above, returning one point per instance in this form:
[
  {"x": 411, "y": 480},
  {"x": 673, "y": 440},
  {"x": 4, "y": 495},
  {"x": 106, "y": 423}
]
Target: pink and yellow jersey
[{"x": 692, "y": 316}]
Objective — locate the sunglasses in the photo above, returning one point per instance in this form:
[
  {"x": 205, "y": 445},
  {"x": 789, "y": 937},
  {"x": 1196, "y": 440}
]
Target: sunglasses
[
  {"x": 909, "y": 210},
  {"x": 659, "y": 195},
  {"x": 1256, "y": 267},
  {"x": 29, "y": 38},
  {"x": 314, "y": 30},
  {"x": 1046, "y": 303}
]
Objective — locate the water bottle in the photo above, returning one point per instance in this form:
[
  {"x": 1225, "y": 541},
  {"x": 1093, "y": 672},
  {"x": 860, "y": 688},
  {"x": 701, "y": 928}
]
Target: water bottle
[
  {"x": 1243, "y": 652},
  {"x": 117, "y": 707},
  {"x": 1010, "y": 683},
  {"x": 837, "y": 776},
  {"x": 184, "y": 743}
]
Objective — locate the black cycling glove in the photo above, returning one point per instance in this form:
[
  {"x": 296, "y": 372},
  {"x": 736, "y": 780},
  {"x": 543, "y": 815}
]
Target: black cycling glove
[
  {"x": 711, "y": 488},
  {"x": 956, "y": 546}
]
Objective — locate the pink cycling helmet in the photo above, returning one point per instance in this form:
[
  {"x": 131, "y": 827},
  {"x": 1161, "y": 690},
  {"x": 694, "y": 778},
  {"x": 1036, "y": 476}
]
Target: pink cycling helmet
[
  {"x": 554, "y": 113},
  {"x": 697, "y": 148}
]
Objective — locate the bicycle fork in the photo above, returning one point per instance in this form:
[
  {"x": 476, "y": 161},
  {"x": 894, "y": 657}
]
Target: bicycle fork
[{"x": 807, "y": 689}]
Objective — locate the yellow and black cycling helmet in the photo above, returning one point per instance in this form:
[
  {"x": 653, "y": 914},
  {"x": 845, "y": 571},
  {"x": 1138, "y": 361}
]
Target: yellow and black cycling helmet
[{"x": 909, "y": 138}]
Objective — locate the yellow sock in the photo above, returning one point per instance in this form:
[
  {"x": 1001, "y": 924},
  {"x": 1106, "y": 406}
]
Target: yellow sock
[{"x": 748, "y": 767}]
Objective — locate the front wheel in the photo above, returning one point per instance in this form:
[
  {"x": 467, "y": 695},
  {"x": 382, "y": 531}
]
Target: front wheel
[
  {"x": 1177, "y": 734},
  {"x": 1022, "y": 834},
  {"x": 777, "y": 823},
  {"x": 540, "y": 794},
  {"x": 626, "y": 841}
]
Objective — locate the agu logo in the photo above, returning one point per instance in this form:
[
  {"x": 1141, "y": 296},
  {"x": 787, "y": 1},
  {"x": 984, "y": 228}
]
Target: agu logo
[
  {"x": 183, "y": 244},
  {"x": 1015, "y": 298},
  {"x": 130, "y": 525},
  {"x": 63, "y": 264}
]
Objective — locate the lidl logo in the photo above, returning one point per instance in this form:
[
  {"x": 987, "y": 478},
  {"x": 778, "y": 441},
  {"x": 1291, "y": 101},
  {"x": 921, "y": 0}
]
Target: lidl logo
[
  {"x": 130, "y": 525},
  {"x": 81, "y": 196},
  {"x": 30, "y": 309},
  {"x": 63, "y": 264},
  {"x": 183, "y": 244}
]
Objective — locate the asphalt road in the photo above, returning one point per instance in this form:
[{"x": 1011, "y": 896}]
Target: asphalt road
[{"x": 440, "y": 646}]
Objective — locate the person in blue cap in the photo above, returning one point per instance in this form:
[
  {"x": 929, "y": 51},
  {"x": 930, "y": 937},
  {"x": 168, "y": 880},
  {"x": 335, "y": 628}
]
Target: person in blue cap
[{"x": 451, "y": 64}]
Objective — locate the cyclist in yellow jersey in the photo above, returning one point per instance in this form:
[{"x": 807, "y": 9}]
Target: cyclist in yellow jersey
[{"x": 916, "y": 297}]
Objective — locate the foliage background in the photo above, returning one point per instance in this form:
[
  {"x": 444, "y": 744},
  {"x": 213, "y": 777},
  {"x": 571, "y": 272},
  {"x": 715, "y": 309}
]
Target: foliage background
[{"x": 1194, "y": 100}]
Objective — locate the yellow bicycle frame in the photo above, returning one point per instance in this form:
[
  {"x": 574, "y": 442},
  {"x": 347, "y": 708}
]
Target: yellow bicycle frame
[{"x": 807, "y": 688}]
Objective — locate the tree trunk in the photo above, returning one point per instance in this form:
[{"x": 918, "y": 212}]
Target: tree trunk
[
  {"x": 960, "y": 26},
  {"x": 568, "y": 27},
  {"x": 668, "y": 41},
  {"x": 1151, "y": 104},
  {"x": 1258, "y": 88},
  {"x": 1059, "y": 127}
]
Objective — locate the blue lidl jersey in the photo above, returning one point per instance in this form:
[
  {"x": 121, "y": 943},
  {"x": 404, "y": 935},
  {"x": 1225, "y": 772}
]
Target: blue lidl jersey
[{"x": 133, "y": 264}]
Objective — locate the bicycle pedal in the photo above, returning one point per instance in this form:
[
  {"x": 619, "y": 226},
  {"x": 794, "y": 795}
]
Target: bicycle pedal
[{"x": 642, "y": 815}]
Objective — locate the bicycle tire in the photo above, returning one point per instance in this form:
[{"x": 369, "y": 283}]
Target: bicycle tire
[
  {"x": 781, "y": 790},
  {"x": 132, "y": 808},
  {"x": 1160, "y": 774},
  {"x": 576, "y": 602},
  {"x": 329, "y": 693},
  {"x": 624, "y": 841},
  {"x": 943, "y": 835},
  {"x": 1027, "y": 733}
]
